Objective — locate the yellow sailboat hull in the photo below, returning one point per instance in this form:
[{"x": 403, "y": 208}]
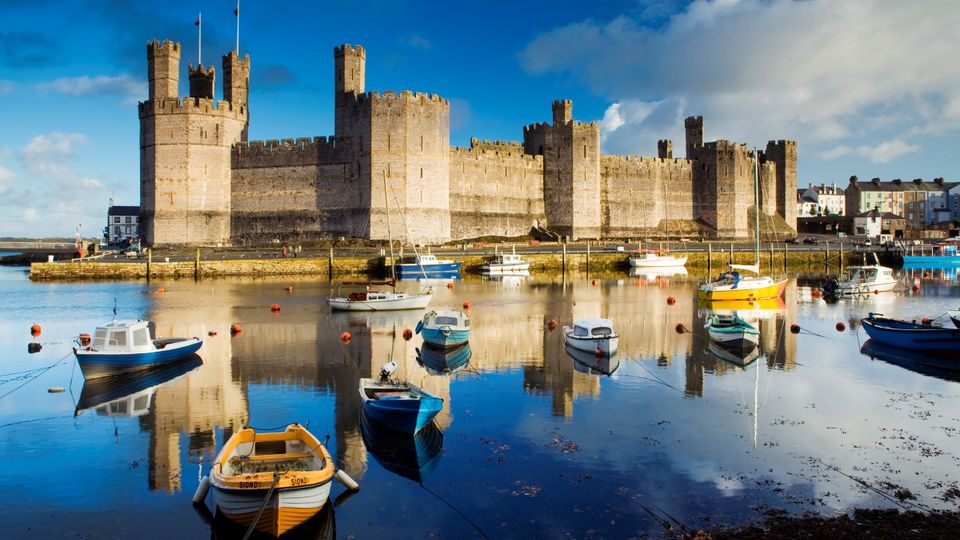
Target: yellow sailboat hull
[{"x": 774, "y": 290}]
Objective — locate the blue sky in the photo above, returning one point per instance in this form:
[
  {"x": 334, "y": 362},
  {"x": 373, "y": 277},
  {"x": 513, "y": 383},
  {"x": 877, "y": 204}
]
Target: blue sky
[{"x": 866, "y": 87}]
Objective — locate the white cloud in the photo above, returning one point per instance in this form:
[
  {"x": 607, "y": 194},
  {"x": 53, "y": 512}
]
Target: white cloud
[
  {"x": 817, "y": 71},
  {"x": 884, "y": 152},
  {"x": 130, "y": 88},
  {"x": 30, "y": 215},
  {"x": 836, "y": 152},
  {"x": 49, "y": 154},
  {"x": 5, "y": 176}
]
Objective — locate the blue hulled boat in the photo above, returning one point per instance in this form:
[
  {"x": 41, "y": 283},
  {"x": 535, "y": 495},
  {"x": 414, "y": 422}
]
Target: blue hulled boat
[
  {"x": 401, "y": 406},
  {"x": 125, "y": 346},
  {"x": 911, "y": 334},
  {"x": 428, "y": 266},
  {"x": 445, "y": 329},
  {"x": 940, "y": 254}
]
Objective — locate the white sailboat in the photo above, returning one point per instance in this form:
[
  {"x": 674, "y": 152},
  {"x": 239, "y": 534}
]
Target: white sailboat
[
  {"x": 382, "y": 300},
  {"x": 731, "y": 285},
  {"x": 657, "y": 258},
  {"x": 506, "y": 264}
]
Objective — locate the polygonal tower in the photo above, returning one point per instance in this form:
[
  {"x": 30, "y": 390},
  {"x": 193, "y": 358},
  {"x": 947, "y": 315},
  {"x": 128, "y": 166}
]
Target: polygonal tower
[
  {"x": 236, "y": 84},
  {"x": 571, "y": 174},
  {"x": 185, "y": 154}
]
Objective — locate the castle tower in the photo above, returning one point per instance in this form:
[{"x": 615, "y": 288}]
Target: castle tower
[
  {"x": 665, "y": 149},
  {"x": 236, "y": 85},
  {"x": 784, "y": 154},
  {"x": 571, "y": 174},
  {"x": 694, "y": 130},
  {"x": 202, "y": 81},
  {"x": 185, "y": 152},
  {"x": 349, "y": 78},
  {"x": 163, "y": 66},
  {"x": 562, "y": 111}
]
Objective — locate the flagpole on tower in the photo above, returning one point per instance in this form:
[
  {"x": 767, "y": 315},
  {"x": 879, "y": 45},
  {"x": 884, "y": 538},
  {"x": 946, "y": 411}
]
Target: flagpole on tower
[
  {"x": 236, "y": 11},
  {"x": 199, "y": 24}
]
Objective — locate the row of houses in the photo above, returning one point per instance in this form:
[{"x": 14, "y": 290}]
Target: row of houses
[{"x": 915, "y": 209}]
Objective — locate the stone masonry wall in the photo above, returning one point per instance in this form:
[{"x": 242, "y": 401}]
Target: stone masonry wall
[
  {"x": 638, "y": 193},
  {"x": 495, "y": 190}
]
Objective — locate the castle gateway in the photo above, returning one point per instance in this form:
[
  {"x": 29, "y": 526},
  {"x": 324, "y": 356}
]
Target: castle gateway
[{"x": 203, "y": 183}]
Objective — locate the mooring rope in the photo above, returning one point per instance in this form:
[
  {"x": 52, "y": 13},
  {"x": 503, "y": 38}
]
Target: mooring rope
[{"x": 33, "y": 378}]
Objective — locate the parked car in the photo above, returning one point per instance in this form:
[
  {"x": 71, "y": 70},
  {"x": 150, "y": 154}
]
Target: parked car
[
  {"x": 867, "y": 243},
  {"x": 794, "y": 240},
  {"x": 615, "y": 248},
  {"x": 811, "y": 240},
  {"x": 131, "y": 253}
]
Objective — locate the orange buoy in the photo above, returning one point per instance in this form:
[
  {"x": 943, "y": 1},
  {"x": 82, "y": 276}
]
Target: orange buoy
[
  {"x": 345, "y": 337},
  {"x": 35, "y": 330},
  {"x": 916, "y": 288},
  {"x": 235, "y": 329},
  {"x": 467, "y": 304},
  {"x": 449, "y": 285},
  {"x": 926, "y": 321},
  {"x": 671, "y": 300},
  {"x": 597, "y": 352},
  {"x": 794, "y": 328},
  {"x": 407, "y": 334},
  {"x": 275, "y": 307},
  {"x": 680, "y": 328},
  {"x": 926, "y": 274},
  {"x": 552, "y": 324},
  {"x": 211, "y": 333},
  {"x": 593, "y": 282},
  {"x": 161, "y": 290},
  {"x": 876, "y": 291},
  {"x": 84, "y": 339},
  {"x": 841, "y": 327},
  {"x": 815, "y": 293}
]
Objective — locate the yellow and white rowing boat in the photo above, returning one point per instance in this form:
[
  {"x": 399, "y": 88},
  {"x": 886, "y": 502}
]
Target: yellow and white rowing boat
[{"x": 284, "y": 477}]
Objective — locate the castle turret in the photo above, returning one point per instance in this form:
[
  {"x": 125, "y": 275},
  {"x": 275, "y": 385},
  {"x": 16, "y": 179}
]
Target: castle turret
[
  {"x": 236, "y": 85},
  {"x": 562, "y": 111},
  {"x": 202, "y": 81},
  {"x": 185, "y": 168},
  {"x": 163, "y": 69},
  {"x": 349, "y": 79},
  {"x": 784, "y": 154},
  {"x": 694, "y": 129},
  {"x": 665, "y": 149},
  {"x": 571, "y": 174}
]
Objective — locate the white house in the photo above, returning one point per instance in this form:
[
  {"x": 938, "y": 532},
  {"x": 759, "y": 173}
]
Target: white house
[
  {"x": 830, "y": 200},
  {"x": 123, "y": 223}
]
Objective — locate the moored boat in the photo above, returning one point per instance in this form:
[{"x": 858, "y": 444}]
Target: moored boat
[
  {"x": 426, "y": 266},
  {"x": 861, "y": 279},
  {"x": 592, "y": 335},
  {"x": 911, "y": 334},
  {"x": 131, "y": 394},
  {"x": 732, "y": 332},
  {"x": 944, "y": 253},
  {"x": 287, "y": 475},
  {"x": 656, "y": 259},
  {"x": 954, "y": 315},
  {"x": 376, "y": 300},
  {"x": 506, "y": 263},
  {"x": 401, "y": 406},
  {"x": 926, "y": 363},
  {"x": 445, "y": 328},
  {"x": 125, "y": 346}
]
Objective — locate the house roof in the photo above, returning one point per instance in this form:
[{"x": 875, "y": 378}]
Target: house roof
[
  {"x": 124, "y": 211},
  {"x": 884, "y": 215},
  {"x": 870, "y": 185}
]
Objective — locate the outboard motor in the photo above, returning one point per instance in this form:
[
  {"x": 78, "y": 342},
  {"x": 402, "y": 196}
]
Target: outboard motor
[
  {"x": 831, "y": 287},
  {"x": 387, "y": 370}
]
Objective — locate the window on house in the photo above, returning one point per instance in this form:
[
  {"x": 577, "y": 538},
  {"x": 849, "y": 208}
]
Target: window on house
[
  {"x": 116, "y": 230},
  {"x": 127, "y": 219},
  {"x": 116, "y": 219}
]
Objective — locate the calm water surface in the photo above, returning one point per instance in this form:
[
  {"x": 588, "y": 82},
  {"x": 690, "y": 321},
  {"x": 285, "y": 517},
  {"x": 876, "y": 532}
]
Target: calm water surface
[{"x": 531, "y": 443}]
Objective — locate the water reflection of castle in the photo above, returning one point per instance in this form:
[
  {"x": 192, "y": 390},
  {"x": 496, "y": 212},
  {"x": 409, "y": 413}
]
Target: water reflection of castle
[{"x": 509, "y": 333}]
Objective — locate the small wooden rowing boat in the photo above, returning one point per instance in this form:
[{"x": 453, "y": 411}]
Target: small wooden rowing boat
[
  {"x": 284, "y": 477},
  {"x": 401, "y": 406}
]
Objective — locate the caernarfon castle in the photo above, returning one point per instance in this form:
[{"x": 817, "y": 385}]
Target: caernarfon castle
[{"x": 202, "y": 182}]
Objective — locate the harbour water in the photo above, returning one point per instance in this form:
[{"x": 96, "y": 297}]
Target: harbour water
[{"x": 531, "y": 443}]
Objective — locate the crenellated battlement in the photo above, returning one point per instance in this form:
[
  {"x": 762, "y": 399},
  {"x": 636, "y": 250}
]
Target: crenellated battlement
[
  {"x": 342, "y": 50},
  {"x": 723, "y": 145},
  {"x": 166, "y": 46},
  {"x": 608, "y": 160},
  {"x": 292, "y": 152},
  {"x": 783, "y": 143},
  {"x": 402, "y": 95},
  {"x": 190, "y": 105},
  {"x": 496, "y": 149},
  {"x": 208, "y": 71}
]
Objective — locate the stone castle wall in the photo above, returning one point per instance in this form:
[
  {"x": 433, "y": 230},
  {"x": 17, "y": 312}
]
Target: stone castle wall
[
  {"x": 202, "y": 183},
  {"x": 495, "y": 190},
  {"x": 640, "y": 192}
]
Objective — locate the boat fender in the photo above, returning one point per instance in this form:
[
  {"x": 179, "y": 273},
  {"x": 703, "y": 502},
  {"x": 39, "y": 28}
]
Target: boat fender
[
  {"x": 202, "y": 489},
  {"x": 419, "y": 326},
  {"x": 388, "y": 369},
  {"x": 347, "y": 482},
  {"x": 445, "y": 330}
]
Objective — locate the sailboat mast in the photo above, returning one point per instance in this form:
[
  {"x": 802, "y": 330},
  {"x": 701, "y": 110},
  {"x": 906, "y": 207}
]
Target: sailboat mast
[
  {"x": 756, "y": 209},
  {"x": 386, "y": 200}
]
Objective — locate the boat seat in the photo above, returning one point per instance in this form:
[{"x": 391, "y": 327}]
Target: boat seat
[
  {"x": 281, "y": 457},
  {"x": 396, "y": 395}
]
